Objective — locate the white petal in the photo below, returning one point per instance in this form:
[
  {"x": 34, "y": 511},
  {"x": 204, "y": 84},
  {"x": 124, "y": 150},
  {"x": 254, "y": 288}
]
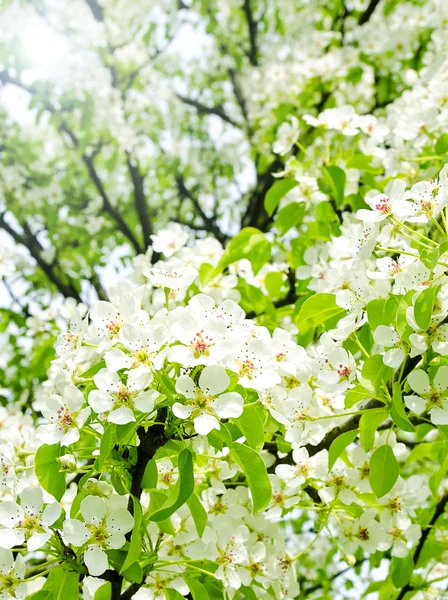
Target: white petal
[
  {"x": 228, "y": 405},
  {"x": 107, "y": 381},
  {"x": 121, "y": 416},
  {"x": 6, "y": 561},
  {"x": 439, "y": 416},
  {"x": 37, "y": 540},
  {"x": 214, "y": 380},
  {"x": 145, "y": 402},
  {"x": 73, "y": 397},
  {"x": 186, "y": 386},
  {"x": 394, "y": 357},
  {"x": 100, "y": 401},
  {"x": 49, "y": 434},
  {"x": 31, "y": 500},
  {"x": 75, "y": 532},
  {"x": 419, "y": 381},
  {"x": 385, "y": 336},
  {"x": 96, "y": 560},
  {"x": 181, "y": 411},
  {"x": 116, "y": 360},
  {"x": 93, "y": 509},
  {"x": 10, "y": 514},
  {"x": 441, "y": 379},
  {"x": 205, "y": 423},
  {"x": 120, "y": 521},
  {"x": 415, "y": 403},
  {"x": 11, "y": 537},
  {"x": 51, "y": 513}
]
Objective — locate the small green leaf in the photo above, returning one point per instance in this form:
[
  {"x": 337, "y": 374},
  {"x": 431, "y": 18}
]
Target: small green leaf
[
  {"x": 424, "y": 306},
  {"x": 317, "y": 310},
  {"x": 251, "y": 422},
  {"x": 355, "y": 395},
  {"x": 375, "y": 371},
  {"x": 401, "y": 570},
  {"x": 397, "y": 410},
  {"x": 150, "y": 476},
  {"x": 103, "y": 592},
  {"x": 62, "y": 584},
  {"x": 47, "y": 469},
  {"x": 384, "y": 470},
  {"x": 135, "y": 544},
  {"x": 276, "y": 192},
  {"x": 382, "y": 311},
  {"x": 335, "y": 178},
  {"x": 198, "y": 513},
  {"x": 255, "y": 471},
  {"x": 183, "y": 489},
  {"x": 249, "y": 243},
  {"x": 429, "y": 257},
  {"x": 368, "y": 424},
  {"x": 442, "y": 144},
  {"x": 172, "y": 594},
  {"x": 289, "y": 216},
  {"x": 93, "y": 370},
  {"x": 108, "y": 441},
  {"x": 197, "y": 590},
  {"x": 339, "y": 445}
]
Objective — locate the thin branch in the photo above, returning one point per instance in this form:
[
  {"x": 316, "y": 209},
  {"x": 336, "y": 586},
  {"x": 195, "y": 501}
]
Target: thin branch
[
  {"x": 68, "y": 290},
  {"x": 96, "y": 9},
  {"x": 440, "y": 509},
  {"x": 252, "y": 27},
  {"x": 203, "y": 109},
  {"x": 209, "y": 223},
  {"x": 368, "y": 12}
]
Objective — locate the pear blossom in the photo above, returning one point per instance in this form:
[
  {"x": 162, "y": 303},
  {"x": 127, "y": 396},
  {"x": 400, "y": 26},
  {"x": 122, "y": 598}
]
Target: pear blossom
[
  {"x": 119, "y": 400},
  {"x": 66, "y": 417},
  {"x": 287, "y": 135},
  {"x": 431, "y": 396},
  {"x": 170, "y": 240},
  {"x": 207, "y": 402},
  {"x": 388, "y": 337},
  {"x": 12, "y": 574},
  {"x": 28, "y": 522},
  {"x": 389, "y": 203},
  {"x": 102, "y": 529}
]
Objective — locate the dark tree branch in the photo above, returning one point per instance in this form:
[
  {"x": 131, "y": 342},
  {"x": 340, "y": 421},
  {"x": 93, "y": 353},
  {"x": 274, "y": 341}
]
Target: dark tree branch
[
  {"x": 68, "y": 290},
  {"x": 209, "y": 223},
  {"x": 440, "y": 509},
  {"x": 368, "y": 12},
  {"x": 252, "y": 27},
  {"x": 96, "y": 9},
  {"x": 203, "y": 109}
]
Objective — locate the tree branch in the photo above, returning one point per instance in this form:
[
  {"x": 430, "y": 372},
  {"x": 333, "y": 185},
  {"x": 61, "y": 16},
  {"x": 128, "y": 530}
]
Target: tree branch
[
  {"x": 368, "y": 12},
  {"x": 203, "y": 109},
  {"x": 210, "y": 224},
  {"x": 252, "y": 26},
  {"x": 96, "y": 9}
]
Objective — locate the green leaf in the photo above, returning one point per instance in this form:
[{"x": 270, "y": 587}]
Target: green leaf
[
  {"x": 172, "y": 594},
  {"x": 289, "y": 216},
  {"x": 108, "y": 441},
  {"x": 197, "y": 590},
  {"x": 151, "y": 475},
  {"x": 429, "y": 257},
  {"x": 355, "y": 395},
  {"x": 183, "y": 489},
  {"x": 424, "y": 306},
  {"x": 382, "y": 311},
  {"x": 375, "y": 371},
  {"x": 339, "y": 445},
  {"x": 384, "y": 470},
  {"x": 103, "y": 592},
  {"x": 135, "y": 544},
  {"x": 249, "y": 243},
  {"x": 255, "y": 471},
  {"x": 251, "y": 422},
  {"x": 335, "y": 178},
  {"x": 442, "y": 144},
  {"x": 368, "y": 424},
  {"x": 317, "y": 310},
  {"x": 276, "y": 192},
  {"x": 62, "y": 584},
  {"x": 198, "y": 513},
  {"x": 401, "y": 570},
  {"x": 93, "y": 370},
  {"x": 397, "y": 410},
  {"x": 47, "y": 469}
]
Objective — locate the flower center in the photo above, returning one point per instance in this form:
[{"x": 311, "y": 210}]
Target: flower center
[
  {"x": 201, "y": 344},
  {"x": 383, "y": 206}
]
